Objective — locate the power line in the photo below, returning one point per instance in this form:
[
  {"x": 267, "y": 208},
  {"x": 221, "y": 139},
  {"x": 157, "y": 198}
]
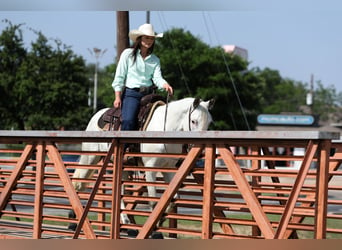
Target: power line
[
  {"x": 228, "y": 69},
  {"x": 183, "y": 78}
]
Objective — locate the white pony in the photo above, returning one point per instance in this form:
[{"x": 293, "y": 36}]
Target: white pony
[{"x": 188, "y": 114}]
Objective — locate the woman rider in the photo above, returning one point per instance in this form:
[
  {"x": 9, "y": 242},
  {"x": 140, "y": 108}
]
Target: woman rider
[{"x": 137, "y": 70}]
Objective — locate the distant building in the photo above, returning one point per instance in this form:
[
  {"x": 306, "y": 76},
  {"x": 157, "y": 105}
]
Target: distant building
[{"x": 235, "y": 50}]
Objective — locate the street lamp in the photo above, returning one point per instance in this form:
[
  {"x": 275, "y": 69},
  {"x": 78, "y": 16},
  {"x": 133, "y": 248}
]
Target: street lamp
[{"x": 97, "y": 53}]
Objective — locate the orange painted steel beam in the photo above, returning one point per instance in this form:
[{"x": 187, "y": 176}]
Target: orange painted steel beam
[
  {"x": 116, "y": 190},
  {"x": 322, "y": 190},
  {"x": 39, "y": 189},
  {"x": 226, "y": 228},
  {"x": 285, "y": 219},
  {"x": 12, "y": 181},
  {"x": 208, "y": 188},
  {"x": 170, "y": 191},
  {"x": 246, "y": 192},
  {"x": 94, "y": 191},
  {"x": 76, "y": 204},
  {"x": 256, "y": 165},
  {"x": 331, "y": 167}
]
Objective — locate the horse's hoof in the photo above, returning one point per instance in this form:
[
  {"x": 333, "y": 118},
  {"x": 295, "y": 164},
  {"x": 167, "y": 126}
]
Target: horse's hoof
[
  {"x": 72, "y": 226},
  {"x": 132, "y": 232},
  {"x": 72, "y": 215},
  {"x": 157, "y": 235}
]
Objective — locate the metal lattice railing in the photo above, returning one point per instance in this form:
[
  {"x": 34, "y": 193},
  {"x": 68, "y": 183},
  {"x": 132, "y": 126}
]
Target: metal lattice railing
[{"x": 228, "y": 185}]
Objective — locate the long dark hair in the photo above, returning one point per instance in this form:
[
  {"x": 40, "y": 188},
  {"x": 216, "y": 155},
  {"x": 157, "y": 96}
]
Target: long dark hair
[{"x": 136, "y": 46}]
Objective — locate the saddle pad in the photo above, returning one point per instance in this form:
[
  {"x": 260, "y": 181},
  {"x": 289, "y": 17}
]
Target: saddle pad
[{"x": 153, "y": 108}]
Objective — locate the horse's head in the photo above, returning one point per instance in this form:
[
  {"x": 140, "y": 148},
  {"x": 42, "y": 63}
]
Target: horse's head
[
  {"x": 199, "y": 116},
  {"x": 187, "y": 114}
]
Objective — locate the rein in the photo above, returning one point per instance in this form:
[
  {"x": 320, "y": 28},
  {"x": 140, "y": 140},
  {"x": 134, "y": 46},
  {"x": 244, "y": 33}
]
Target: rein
[
  {"x": 191, "y": 109},
  {"x": 165, "y": 116},
  {"x": 167, "y": 105}
]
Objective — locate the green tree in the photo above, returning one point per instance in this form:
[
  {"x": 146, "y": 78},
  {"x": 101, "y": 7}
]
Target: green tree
[
  {"x": 325, "y": 102},
  {"x": 49, "y": 87},
  {"x": 196, "y": 69},
  {"x": 12, "y": 55},
  {"x": 280, "y": 94},
  {"x": 106, "y": 92}
]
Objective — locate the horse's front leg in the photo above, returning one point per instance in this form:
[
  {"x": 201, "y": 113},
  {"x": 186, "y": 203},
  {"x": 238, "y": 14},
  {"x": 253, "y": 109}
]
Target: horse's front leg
[
  {"x": 124, "y": 217},
  {"x": 151, "y": 176},
  {"x": 168, "y": 177},
  {"x": 79, "y": 185},
  {"x": 151, "y": 190}
]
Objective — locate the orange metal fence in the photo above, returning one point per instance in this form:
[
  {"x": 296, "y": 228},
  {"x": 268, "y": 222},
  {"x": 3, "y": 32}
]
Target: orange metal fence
[{"x": 228, "y": 186}]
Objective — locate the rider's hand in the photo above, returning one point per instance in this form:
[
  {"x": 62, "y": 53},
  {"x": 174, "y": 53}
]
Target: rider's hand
[
  {"x": 117, "y": 103},
  {"x": 168, "y": 89}
]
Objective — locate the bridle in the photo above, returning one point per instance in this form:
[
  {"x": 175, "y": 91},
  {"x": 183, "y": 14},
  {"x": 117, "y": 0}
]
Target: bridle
[{"x": 191, "y": 109}]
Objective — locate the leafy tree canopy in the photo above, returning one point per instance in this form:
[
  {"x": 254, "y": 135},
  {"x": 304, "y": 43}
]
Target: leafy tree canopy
[{"x": 44, "y": 87}]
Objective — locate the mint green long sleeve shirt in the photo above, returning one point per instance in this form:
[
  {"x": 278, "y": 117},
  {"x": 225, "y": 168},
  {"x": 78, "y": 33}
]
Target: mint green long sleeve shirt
[{"x": 143, "y": 73}]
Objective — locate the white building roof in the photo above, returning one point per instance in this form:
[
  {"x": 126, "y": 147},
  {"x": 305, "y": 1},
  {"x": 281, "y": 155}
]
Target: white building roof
[{"x": 235, "y": 50}]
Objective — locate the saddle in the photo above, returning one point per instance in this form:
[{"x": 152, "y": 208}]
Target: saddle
[{"x": 111, "y": 119}]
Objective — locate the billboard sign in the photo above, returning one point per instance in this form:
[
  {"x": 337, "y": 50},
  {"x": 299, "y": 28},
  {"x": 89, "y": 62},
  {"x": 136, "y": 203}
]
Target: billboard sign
[{"x": 299, "y": 120}]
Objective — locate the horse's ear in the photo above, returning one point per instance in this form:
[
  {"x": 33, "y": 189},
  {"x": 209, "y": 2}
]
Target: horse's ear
[
  {"x": 211, "y": 103},
  {"x": 196, "y": 103}
]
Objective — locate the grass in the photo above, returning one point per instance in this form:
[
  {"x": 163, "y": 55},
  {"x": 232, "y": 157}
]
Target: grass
[{"x": 197, "y": 225}]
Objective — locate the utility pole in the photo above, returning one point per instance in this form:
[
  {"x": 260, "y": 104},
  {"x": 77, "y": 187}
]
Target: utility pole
[
  {"x": 148, "y": 16},
  {"x": 122, "y": 40}
]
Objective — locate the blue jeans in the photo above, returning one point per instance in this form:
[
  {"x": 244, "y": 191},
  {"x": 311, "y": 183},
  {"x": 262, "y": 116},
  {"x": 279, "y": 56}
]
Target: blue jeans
[{"x": 130, "y": 109}]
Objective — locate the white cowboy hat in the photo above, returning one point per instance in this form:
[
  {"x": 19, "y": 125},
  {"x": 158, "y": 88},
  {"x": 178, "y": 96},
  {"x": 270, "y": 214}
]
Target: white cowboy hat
[{"x": 144, "y": 30}]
